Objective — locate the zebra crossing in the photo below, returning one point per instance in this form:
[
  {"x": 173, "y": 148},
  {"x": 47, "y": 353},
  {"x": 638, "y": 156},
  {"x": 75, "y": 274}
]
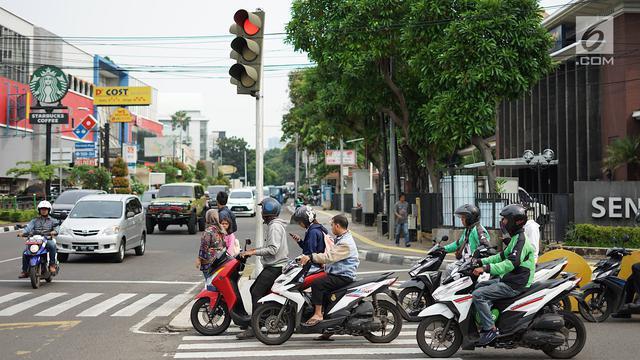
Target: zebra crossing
[
  {"x": 343, "y": 347},
  {"x": 90, "y": 304}
]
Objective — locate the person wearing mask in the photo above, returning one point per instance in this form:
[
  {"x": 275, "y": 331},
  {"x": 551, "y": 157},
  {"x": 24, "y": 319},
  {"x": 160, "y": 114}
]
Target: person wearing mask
[
  {"x": 471, "y": 238},
  {"x": 340, "y": 263},
  {"x": 222, "y": 197},
  {"x": 43, "y": 225},
  {"x": 401, "y": 212},
  {"x": 313, "y": 241},
  {"x": 273, "y": 255},
  {"x": 514, "y": 266}
]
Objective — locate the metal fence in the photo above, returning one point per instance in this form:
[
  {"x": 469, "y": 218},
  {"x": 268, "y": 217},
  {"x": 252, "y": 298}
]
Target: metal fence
[{"x": 25, "y": 202}]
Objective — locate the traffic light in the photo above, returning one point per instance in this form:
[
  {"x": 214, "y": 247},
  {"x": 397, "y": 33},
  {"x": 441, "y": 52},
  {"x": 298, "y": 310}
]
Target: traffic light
[{"x": 247, "y": 50}]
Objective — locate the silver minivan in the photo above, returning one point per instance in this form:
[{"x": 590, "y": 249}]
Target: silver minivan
[{"x": 103, "y": 224}]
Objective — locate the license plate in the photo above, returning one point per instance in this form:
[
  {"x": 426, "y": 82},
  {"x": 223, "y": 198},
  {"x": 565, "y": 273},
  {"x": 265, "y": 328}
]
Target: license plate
[{"x": 166, "y": 216}]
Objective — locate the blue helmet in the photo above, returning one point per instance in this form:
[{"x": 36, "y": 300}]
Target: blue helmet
[{"x": 270, "y": 207}]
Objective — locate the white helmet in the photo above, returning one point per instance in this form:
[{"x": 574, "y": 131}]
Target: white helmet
[{"x": 44, "y": 204}]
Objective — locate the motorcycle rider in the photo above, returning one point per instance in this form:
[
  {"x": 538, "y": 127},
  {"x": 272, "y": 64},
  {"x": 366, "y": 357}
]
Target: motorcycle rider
[
  {"x": 473, "y": 236},
  {"x": 341, "y": 264},
  {"x": 313, "y": 241},
  {"x": 42, "y": 225},
  {"x": 515, "y": 266},
  {"x": 274, "y": 255}
]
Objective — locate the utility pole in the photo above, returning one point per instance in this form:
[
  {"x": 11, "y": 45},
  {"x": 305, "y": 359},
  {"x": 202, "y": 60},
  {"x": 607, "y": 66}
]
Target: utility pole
[
  {"x": 106, "y": 144},
  {"x": 60, "y": 158},
  {"x": 393, "y": 184},
  {"x": 297, "y": 171},
  {"x": 47, "y": 161},
  {"x": 246, "y": 179},
  {"x": 259, "y": 177},
  {"x": 341, "y": 177}
]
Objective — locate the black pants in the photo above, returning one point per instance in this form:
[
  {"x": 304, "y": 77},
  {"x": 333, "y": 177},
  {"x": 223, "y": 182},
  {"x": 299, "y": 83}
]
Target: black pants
[
  {"x": 633, "y": 283},
  {"x": 322, "y": 287},
  {"x": 263, "y": 283}
]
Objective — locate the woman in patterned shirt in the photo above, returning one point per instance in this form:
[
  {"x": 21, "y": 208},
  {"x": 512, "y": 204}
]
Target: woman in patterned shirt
[{"x": 211, "y": 243}]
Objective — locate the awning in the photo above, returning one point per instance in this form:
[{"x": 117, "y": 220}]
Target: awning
[{"x": 508, "y": 163}]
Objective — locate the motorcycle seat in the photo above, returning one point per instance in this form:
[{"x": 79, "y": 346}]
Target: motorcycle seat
[
  {"x": 535, "y": 287},
  {"x": 363, "y": 281}
]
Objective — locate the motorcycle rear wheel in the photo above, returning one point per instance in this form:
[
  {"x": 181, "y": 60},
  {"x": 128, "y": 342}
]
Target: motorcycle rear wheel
[
  {"x": 572, "y": 324},
  {"x": 34, "y": 276},
  {"x": 265, "y": 322},
  {"x": 599, "y": 307},
  {"x": 202, "y": 318},
  {"x": 409, "y": 301},
  {"x": 434, "y": 326},
  {"x": 393, "y": 317}
]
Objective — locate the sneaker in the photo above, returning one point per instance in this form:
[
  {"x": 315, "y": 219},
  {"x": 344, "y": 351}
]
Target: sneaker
[
  {"x": 247, "y": 334},
  {"x": 486, "y": 337},
  {"x": 23, "y": 275},
  {"x": 407, "y": 245}
]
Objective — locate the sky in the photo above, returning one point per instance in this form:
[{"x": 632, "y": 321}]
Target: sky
[{"x": 209, "y": 88}]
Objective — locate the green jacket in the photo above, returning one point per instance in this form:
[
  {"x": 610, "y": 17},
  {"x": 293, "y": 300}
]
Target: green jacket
[
  {"x": 477, "y": 235},
  {"x": 515, "y": 264}
]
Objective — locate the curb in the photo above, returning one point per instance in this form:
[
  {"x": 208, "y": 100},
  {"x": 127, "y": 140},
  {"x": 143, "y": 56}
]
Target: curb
[
  {"x": 387, "y": 258},
  {"x": 4, "y": 229}
]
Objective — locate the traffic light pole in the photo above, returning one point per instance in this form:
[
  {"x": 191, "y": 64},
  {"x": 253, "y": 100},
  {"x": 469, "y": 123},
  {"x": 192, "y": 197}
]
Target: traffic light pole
[
  {"x": 259, "y": 178},
  {"x": 47, "y": 161}
]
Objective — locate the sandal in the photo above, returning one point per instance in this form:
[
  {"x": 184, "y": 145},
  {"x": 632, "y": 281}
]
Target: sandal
[
  {"x": 312, "y": 322},
  {"x": 324, "y": 337}
]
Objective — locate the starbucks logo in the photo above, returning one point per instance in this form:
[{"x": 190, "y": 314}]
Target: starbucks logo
[{"x": 48, "y": 84}]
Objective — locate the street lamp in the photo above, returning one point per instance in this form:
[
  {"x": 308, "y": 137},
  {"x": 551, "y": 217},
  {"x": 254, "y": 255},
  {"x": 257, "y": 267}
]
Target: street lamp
[{"x": 537, "y": 161}]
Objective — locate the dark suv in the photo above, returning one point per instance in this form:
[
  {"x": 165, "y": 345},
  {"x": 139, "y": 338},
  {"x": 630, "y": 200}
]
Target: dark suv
[
  {"x": 177, "y": 204},
  {"x": 67, "y": 200}
]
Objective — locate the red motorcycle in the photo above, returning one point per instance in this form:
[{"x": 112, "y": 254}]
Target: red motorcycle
[{"x": 221, "y": 301}]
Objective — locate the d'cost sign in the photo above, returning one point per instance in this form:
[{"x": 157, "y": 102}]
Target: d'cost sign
[{"x": 606, "y": 203}]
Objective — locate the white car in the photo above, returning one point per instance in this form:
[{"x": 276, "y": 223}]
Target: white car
[
  {"x": 242, "y": 202},
  {"x": 103, "y": 224}
]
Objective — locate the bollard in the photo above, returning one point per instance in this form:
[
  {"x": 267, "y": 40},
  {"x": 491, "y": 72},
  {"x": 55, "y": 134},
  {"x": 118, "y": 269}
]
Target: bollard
[
  {"x": 15, "y": 203},
  {"x": 34, "y": 201}
]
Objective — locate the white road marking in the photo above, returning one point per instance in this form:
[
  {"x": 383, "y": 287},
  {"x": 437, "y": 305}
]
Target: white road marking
[
  {"x": 62, "y": 307},
  {"x": 307, "y": 343},
  {"x": 298, "y": 352},
  {"x": 139, "y": 305},
  {"x": 160, "y": 311},
  {"x": 105, "y": 305},
  {"x": 12, "y": 310},
  {"x": 170, "y": 306},
  {"x": 12, "y": 296},
  {"x": 230, "y": 336},
  {"x": 12, "y": 259},
  {"x": 157, "y": 282}
]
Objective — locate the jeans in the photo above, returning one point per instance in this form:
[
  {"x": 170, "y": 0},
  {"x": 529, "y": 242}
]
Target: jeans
[
  {"x": 483, "y": 296},
  {"x": 51, "y": 247},
  {"x": 404, "y": 227}
]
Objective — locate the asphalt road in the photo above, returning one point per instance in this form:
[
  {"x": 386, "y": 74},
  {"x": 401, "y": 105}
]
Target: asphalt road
[{"x": 100, "y": 310}]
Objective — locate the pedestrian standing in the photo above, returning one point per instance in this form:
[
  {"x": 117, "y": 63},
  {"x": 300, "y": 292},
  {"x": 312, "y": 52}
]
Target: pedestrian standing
[{"x": 401, "y": 212}]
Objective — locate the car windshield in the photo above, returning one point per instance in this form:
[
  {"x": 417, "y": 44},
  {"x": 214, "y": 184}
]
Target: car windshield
[
  {"x": 71, "y": 197},
  {"x": 146, "y": 197},
  {"x": 96, "y": 209},
  {"x": 214, "y": 190},
  {"x": 274, "y": 191},
  {"x": 175, "y": 191},
  {"x": 240, "y": 195}
]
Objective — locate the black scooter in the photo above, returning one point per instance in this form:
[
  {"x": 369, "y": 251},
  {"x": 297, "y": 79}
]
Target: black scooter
[{"x": 606, "y": 293}]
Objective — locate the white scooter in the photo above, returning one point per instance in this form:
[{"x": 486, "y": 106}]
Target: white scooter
[{"x": 363, "y": 308}]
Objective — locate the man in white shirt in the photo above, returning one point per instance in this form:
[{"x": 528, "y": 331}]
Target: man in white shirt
[{"x": 532, "y": 233}]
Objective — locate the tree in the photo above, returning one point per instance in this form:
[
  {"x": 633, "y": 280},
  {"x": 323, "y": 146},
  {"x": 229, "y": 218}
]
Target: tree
[
  {"x": 38, "y": 169},
  {"x": 232, "y": 150},
  {"x": 474, "y": 54},
  {"x": 180, "y": 119},
  {"x": 166, "y": 167},
  {"x": 621, "y": 152},
  {"x": 201, "y": 172},
  {"x": 90, "y": 177},
  {"x": 120, "y": 177}
]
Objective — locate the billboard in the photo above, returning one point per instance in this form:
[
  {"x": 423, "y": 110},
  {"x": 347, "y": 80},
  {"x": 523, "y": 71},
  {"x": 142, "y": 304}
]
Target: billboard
[
  {"x": 158, "y": 146},
  {"x": 130, "y": 152},
  {"x": 332, "y": 157},
  {"x": 122, "y": 95}
]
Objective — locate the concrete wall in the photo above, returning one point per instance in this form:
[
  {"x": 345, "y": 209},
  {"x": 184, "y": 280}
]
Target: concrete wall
[{"x": 606, "y": 202}]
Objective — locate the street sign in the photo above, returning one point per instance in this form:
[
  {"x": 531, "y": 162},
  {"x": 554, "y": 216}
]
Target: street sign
[
  {"x": 48, "y": 85},
  {"x": 89, "y": 122},
  {"x": 332, "y": 157},
  {"x": 42, "y": 118},
  {"x": 86, "y": 161},
  {"x": 84, "y": 146},
  {"x": 62, "y": 156},
  {"x": 159, "y": 146},
  {"x": 80, "y": 131},
  {"x": 121, "y": 115},
  {"x": 130, "y": 153},
  {"x": 85, "y": 154},
  {"x": 122, "y": 95}
]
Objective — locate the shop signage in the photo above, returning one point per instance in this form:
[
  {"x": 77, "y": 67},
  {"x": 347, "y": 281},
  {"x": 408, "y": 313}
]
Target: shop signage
[
  {"x": 332, "y": 157},
  {"x": 122, "y": 95},
  {"x": 48, "y": 85},
  {"x": 39, "y": 117},
  {"x": 121, "y": 115}
]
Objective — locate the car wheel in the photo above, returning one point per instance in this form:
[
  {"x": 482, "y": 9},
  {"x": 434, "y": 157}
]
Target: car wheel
[
  {"x": 119, "y": 256},
  {"x": 201, "y": 223},
  {"x": 143, "y": 245},
  {"x": 191, "y": 225},
  {"x": 151, "y": 224},
  {"x": 63, "y": 257}
]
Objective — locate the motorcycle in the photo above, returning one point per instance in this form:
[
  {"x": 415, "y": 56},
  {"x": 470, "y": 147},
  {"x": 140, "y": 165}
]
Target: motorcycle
[
  {"x": 606, "y": 293},
  {"x": 531, "y": 319},
  {"x": 38, "y": 259},
  {"x": 363, "y": 308}
]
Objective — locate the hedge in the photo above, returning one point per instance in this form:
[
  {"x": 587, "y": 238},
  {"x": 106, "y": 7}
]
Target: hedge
[
  {"x": 18, "y": 215},
  {"x": 602, "y": 236}
]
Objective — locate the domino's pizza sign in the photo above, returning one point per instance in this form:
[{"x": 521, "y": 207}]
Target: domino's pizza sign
[{"x": 84, "y": 127}]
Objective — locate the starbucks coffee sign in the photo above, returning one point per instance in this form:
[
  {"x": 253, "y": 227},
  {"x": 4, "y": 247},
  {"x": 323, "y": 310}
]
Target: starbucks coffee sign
[{"x": 48, "y": 85}]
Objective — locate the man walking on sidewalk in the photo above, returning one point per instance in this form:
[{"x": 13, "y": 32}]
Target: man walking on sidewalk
[{"x": 401, "y": 212}]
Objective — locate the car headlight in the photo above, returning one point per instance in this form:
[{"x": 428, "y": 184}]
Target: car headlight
[
  {"x": 64, "y": 231},
  {"x": 34, "y": 248},
  {"x": 112, "y": 230}
]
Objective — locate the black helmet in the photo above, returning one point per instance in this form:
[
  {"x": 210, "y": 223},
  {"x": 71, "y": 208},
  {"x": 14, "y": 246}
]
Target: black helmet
[
  {"x": 515, "y": 216},
  {"x": 304, "y": 214},
  {"x": 469, "y": 212},
  {"x": 270, "y": 207}
]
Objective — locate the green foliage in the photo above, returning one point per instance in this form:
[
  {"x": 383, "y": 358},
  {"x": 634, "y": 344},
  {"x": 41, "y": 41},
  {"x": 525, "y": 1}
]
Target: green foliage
[
  {"x": 500, "y": 183},
  {"x": 38, "y": 169},
  {"x": 180, "y": 119},
  {"x": 279, "y": 165},
  {"x": 232, "y": 150},
  {"x": 622, "y": 152},
  {"x": 601, "y": 236},
  {"x": 121, "y": 177},
  {"x": 220, "y": 180},
  {"x": 18, "y": 215},
  {"x": 90, "y": 177},
  {"x": 201, "y": 172},
  {"x": 137, "y": 187},
  {"x": 171, "y": 172}
]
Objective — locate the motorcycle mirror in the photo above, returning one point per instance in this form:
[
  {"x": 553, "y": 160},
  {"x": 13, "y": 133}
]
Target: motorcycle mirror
[
  {"x": 444, "y": 238},
  {"x": 247, "y": 242}
]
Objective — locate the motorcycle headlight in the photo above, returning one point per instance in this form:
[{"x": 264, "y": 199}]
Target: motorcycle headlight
[
  {"x": 34, "y": 248},
  {"x": 112, "y": 230}
]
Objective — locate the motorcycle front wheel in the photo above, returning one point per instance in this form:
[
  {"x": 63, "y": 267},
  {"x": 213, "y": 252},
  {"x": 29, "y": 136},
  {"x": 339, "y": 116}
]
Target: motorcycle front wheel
[
  {"x": 210, "y": 322},
  {"x": 389, "y": 316},
  {"x": 413, "y": 303},
  {"x": 598, "y": 309},
  {"x": 34, "y": 276},
  {"x": 271, "y": 328},
  {"x": 433, "y": 341},
  {"x": 575, "y": 337}
]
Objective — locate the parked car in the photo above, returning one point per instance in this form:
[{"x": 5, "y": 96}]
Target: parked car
[
  {"x": 147, "y": 197},
  {"x": 103, "y": 224},
  {"x": 177, "y": 204},
  {"x": 65, "y": 202},
  {"x": 242, "y": 202},
  {"x": 213, "y": 193}
]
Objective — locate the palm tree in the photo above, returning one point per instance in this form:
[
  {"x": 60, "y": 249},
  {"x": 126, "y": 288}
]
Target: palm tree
[
  {"x": 180, "y": 118},
  {"x": 620, "y": 152}
]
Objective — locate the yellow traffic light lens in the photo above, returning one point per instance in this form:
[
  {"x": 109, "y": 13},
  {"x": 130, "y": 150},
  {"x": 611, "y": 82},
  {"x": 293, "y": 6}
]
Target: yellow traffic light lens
[{"x": 247, "y": 81}]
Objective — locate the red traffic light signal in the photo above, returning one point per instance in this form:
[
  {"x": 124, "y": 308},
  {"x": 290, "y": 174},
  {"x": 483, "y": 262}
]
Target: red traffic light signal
[
  {"x": 250, "y": 23},
  {"x": 247, "y": 50}
]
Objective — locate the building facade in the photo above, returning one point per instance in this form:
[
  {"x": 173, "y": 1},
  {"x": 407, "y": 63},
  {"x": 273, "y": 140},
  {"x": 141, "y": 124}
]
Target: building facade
[{"x": 192, "y": 143}]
